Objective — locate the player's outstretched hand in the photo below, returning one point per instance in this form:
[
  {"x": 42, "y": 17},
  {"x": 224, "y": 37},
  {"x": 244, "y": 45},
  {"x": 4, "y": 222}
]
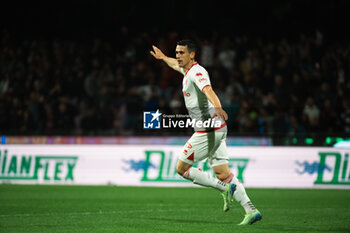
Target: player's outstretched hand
[
  {"x": 219, "y": 112},
  {"x": 157, "y": 53}
]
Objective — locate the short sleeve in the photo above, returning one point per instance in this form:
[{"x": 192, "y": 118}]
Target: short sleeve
[{"x": 201, "y": 79}]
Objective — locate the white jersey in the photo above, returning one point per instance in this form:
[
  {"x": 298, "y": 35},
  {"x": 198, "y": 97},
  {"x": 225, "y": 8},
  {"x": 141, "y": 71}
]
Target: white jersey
[{"x": 197, "y": 104}]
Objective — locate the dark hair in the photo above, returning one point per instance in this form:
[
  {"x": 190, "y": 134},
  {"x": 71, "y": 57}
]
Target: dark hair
[{"x": 191, "y": 46}]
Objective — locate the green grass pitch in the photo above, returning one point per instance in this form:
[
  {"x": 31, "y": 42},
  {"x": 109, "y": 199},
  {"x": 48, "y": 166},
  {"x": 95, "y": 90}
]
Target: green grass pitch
[{"x": 36, "y": 208}]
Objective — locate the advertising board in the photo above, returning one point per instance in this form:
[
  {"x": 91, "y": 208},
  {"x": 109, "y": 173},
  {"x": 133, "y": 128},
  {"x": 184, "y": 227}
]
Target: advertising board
[{"x": 154, "y": 165}]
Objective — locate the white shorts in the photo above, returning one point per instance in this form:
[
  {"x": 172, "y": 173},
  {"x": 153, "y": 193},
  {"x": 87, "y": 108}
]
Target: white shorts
[{"x": 211, "y": 145}]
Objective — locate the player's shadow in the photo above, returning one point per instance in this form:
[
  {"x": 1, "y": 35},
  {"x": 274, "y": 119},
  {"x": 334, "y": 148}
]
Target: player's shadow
[{"x": 189, "y": 221}]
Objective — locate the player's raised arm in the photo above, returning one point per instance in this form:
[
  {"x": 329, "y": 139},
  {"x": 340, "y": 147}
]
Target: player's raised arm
[
  {"x": 171, "y": 62},
  {"x": 213, "y": 98}
]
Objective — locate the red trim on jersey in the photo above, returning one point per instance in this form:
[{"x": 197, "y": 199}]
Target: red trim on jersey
[
  {"x": 205, "y": 86},
  {"x": 191, "y": 157},
  {"x": 211, "y": 130},
  {"x": 191, "y": 67}
]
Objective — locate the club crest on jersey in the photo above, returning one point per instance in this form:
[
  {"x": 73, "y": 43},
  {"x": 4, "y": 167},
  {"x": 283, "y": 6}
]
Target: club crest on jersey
[{"x": 187, "y": 94}]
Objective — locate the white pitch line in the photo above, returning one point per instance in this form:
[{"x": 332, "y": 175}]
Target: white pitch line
[{"x": 90, "y": 213}]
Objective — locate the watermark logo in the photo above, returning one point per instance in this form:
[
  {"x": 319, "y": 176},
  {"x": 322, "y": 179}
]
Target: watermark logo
[
  {"x": 200, "y": 121},
  {"x": 151, "y": 120}
]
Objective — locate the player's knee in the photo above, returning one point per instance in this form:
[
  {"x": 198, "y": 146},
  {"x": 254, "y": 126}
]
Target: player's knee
[
  {"x": 180, "y": 170},
  {"x": 222, "y": 175}
]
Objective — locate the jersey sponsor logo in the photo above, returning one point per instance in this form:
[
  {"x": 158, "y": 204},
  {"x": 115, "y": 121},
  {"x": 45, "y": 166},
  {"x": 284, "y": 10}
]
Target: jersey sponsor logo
[
  {"x": 202, "y": 79},
  {"x": 188, "y": 145},
  {"x": 187, "y": 94},
  {"x": 199, "y": 74}
]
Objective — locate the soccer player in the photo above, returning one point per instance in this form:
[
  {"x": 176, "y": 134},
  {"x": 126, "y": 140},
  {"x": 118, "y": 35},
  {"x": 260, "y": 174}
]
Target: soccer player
[{"x": 206, "y": 143}]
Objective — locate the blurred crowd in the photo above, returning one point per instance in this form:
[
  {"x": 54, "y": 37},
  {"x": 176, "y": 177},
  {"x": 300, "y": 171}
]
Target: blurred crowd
[{"x": 292, "y": 87}]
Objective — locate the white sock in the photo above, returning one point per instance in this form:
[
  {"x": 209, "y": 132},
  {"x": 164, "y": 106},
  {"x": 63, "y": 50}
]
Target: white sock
[
  {"x": 240, "y": 194},
  {"x": 203, "y": 178},
  {"x": 249, "y": 207}
]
